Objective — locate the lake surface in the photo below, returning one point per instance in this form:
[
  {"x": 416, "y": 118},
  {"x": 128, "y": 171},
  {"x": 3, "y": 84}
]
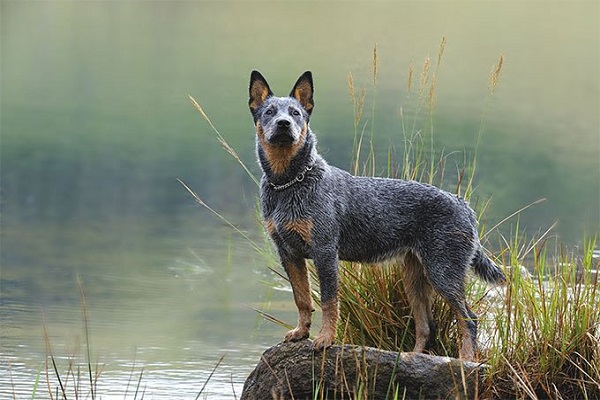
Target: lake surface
[{"x": 96, "y": 127}]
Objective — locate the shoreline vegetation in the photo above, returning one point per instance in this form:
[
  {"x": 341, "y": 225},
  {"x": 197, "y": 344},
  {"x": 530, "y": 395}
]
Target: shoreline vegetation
[{"x": 540, "y": 333}]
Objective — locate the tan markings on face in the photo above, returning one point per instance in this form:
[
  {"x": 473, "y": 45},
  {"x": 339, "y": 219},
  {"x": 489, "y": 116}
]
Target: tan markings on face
[
  {"x": 302, "y": 227},
  {"x": 279, "y": 158},
  {"x": 259, "y": 132}
]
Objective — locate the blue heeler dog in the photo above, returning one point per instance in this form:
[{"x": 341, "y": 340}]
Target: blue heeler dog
[{"x": 316, "y": 211}]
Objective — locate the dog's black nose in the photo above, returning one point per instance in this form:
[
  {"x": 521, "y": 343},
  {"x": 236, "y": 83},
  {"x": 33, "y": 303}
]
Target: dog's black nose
[{"x": 283, "y": 123}]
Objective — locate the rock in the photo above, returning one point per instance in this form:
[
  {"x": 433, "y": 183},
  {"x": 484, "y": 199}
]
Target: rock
[{"x": 294, "y": 370}]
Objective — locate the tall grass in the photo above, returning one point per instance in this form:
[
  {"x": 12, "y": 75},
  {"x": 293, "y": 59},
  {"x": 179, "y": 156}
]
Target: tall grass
[
  {"x": 540, "y": 333},
  {"x": 546, "y": 333}
]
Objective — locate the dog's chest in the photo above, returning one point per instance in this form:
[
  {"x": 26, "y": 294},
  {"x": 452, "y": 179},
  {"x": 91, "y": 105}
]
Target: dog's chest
[{"x": 288, "y": 222}]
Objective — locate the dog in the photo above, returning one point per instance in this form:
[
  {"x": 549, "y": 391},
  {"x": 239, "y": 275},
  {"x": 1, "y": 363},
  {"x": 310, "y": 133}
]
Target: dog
[{"x": 312, "y": 210}]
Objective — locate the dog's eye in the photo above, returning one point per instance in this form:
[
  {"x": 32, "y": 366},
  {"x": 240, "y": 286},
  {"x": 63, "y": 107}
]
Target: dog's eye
[
  {"x": 295, "y": 113},
  {"x": 269, "y": 111}
]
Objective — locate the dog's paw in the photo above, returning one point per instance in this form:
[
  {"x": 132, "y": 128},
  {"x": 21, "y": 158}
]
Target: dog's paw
[
  {"x": 323, "y": 340},
  {"x": 296, "y": 335}
]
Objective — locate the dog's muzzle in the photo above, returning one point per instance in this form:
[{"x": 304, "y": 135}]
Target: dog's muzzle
[{"x": 283, "y": 135}]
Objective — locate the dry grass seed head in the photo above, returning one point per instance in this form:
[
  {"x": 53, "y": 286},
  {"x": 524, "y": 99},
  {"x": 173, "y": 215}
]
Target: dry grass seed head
[
  {"x": 411, "y": 72},
  {"x": 495, "y": 74}
]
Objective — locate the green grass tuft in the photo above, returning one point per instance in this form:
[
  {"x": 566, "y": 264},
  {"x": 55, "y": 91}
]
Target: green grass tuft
[{"x": 546, "y": 333}]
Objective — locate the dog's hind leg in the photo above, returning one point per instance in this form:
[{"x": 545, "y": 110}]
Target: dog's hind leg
[
  {"x": 468, "y": 332},
  {"x": 298, "y": 276},
  {"x": 450, "y": 285},
  {"x": 419, "y": 293}
]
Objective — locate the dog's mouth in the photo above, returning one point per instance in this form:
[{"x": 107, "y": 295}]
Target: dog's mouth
[{"x": 282, "y": 138}]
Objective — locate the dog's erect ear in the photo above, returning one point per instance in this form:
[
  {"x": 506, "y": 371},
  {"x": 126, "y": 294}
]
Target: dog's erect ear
[
  {"x": 259, "y": 90},
  {"x": 303, "y": 91}
]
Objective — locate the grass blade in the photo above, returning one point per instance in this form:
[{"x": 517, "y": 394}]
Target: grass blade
[
  {"x": 139, "y": 382},
  {"x": 221, "y": 217},
  {"x": 54, "y": 366},
  {"x": 223, "y": 142},
  {"x": 503, "y": 220},
  {"x": 87, "y": 336},
  {"x": 210, "y": 376},
  {"x": 272, "y": 318}
]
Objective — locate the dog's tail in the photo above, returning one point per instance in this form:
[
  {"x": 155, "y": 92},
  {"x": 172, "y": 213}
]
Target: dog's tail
[{"x": 486, "y": 269}]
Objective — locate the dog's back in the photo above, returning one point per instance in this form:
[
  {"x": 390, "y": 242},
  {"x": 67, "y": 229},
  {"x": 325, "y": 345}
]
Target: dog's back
[{"x": 383, "y": 218}]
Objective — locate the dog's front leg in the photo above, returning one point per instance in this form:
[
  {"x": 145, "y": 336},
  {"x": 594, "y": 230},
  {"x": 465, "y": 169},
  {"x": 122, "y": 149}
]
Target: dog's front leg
[
  {"x": 298, "y": 276},
  {"x": 327, "y": 270}
]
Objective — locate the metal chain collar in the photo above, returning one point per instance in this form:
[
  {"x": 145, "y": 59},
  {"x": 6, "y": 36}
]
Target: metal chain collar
[{"x": 298, "y": 178}]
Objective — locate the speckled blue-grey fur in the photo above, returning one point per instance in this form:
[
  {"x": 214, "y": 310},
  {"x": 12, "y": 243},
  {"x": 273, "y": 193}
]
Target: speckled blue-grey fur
[{"x": 361, "y": 219}]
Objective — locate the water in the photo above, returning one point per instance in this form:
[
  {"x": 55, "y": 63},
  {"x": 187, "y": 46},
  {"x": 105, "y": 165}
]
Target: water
[
  {"x": 96, "y": 126},
  {"x": 171, "y": 309}
]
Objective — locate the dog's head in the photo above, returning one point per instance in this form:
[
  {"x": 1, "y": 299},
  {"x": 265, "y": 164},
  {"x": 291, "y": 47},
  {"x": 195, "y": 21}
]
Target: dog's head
[{"x": 281, "y": 121}]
